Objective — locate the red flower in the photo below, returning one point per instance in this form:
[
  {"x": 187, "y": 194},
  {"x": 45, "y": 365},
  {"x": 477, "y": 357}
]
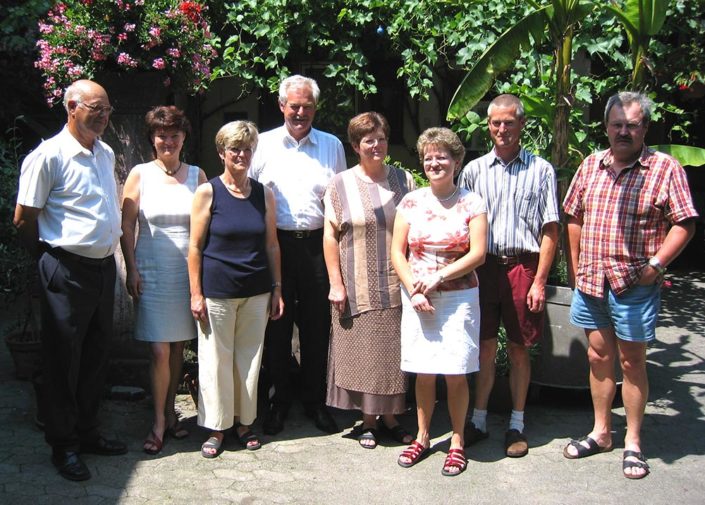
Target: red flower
[{"x": 191, "y": 10}]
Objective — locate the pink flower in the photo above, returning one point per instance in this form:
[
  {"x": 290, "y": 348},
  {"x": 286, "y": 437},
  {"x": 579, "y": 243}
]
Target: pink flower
[
  {"x": 155, "y": 32},
  {"x": 45, "y": 28},
  {"x": 129, "y": 27},
  {"x": 122, "y": 37},
  {"x": 126, "y": 60},
  {"x": 159, "y": 64},
  {"x": 173, "y": 52}
]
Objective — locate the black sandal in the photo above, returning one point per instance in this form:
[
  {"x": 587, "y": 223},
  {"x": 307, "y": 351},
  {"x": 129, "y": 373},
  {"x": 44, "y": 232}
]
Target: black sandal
[
  {"x": 368, "y": 434},
  {"x": 396, "y": 432},
  {"x": 248, "y": 440},
  {"x": 641, "y": 463}
]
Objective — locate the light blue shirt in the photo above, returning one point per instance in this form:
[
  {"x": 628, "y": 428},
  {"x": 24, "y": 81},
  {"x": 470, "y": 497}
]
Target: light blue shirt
[{"x": 520, "y": 197}]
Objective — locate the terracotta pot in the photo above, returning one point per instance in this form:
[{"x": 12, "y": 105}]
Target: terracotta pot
[{"x": 27, "y": 355}]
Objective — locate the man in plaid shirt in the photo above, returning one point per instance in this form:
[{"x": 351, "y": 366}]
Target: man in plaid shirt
[{"x": 629, "y": 215}]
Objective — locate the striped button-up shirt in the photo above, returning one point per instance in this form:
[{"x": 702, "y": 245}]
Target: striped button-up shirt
[
  {"x": 520, "y": 198},
  {"x": 625, "y": 216}
]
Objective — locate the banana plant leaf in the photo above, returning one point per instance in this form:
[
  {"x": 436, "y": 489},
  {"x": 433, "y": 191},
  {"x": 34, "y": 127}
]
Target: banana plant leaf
[{"x": 686, "y": 155}]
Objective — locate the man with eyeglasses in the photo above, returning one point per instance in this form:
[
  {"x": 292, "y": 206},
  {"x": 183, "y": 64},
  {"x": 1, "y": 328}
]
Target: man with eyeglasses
[
  {"x": 67, "y": 215},
  {"x": 519, "y": 189},
  {"x": 297, "y": 161},
  {"x": 630, "y": 214}
]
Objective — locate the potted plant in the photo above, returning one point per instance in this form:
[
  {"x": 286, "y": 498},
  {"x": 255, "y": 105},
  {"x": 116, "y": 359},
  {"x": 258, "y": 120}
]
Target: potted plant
[
  {"x": 18, "y": 293},
  {"x": 80, "y": 38}
]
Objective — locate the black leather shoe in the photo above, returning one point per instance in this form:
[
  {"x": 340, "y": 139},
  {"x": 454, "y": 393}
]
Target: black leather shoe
[
  {"x": 274, "y": 422},
  {"x": 70, "y": 466},
  {"x": 104, "y": 447},
  {"x": 322, "y": 419}
]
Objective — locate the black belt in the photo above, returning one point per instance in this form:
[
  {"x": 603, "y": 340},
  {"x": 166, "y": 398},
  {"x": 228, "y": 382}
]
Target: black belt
[
  {"x": 301, "y": 234},
  {"x": 513, "y": 260},
  {"x": 58, "y": 252}
]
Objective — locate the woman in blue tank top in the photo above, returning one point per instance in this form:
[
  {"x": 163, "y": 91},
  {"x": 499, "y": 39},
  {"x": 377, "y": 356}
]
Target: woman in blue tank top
[{"x": 235, "y": 281}]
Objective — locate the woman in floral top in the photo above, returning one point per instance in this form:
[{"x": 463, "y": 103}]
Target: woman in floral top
[{"x": 440, "y": 237}]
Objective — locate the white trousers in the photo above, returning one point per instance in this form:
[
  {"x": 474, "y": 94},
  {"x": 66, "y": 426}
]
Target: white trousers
[{"x": 229, "y": 357}]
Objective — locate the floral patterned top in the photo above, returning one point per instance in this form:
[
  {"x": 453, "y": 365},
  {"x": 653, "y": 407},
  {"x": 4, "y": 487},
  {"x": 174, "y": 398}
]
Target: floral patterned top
[{"x": 439, "y": 236}]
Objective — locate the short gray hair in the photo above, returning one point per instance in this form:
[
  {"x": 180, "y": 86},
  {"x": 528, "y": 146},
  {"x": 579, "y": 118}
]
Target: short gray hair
[
  {"x": 298, "y": 81},
  {"x": 74, "y": 92},
  {"x": 624, "y": 98},
  {"x": 507, "y": 100}
]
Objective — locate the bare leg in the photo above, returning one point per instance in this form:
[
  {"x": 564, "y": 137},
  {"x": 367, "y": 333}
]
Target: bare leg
[
  {"x": 458, "y": 399},
  {"x": 176, "y": 360},
  {"x": 425, "y": 403},
  {"x": 519, "y": 374},
  {"x": 602, "y": 352},
  {"x": 159, "y": 371},
  {"x": 485, "y": 377},
  {"x": 635, "y": 392}
]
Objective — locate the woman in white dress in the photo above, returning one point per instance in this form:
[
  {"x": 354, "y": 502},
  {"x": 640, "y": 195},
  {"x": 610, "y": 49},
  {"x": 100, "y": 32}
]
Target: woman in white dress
[
  {"x": 159, "y": 194},
  {"x": 440, "y": 237}
]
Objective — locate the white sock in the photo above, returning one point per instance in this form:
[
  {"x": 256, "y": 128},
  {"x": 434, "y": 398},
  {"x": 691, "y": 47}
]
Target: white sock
[
  {"x": 516, "y": 422},
  {"x": 479, "y": 419}
]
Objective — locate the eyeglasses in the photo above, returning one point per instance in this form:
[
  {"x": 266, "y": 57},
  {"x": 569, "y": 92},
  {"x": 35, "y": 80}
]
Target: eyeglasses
[
  {"x": 239, "y": 150},
  {"x": 99, "y": 109},
  {"x": 632, "y": 127}
]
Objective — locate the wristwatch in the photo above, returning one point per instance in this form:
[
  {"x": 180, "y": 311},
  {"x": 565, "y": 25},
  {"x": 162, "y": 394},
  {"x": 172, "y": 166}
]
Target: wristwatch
[{"x": 656, "y": 265}]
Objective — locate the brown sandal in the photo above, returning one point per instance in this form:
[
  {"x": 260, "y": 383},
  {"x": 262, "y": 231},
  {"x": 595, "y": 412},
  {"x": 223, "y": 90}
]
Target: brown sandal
[{"x": 152, "y": 444}]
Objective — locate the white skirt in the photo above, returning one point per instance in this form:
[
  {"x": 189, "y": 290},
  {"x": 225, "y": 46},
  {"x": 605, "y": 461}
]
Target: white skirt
[{"x": 446, "y": 341}]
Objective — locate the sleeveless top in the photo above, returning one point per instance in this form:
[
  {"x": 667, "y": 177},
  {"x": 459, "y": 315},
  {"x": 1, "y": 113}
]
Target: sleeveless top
[
  {"x": 162, "y": 312},
  {"x": 234, "y": 257}
]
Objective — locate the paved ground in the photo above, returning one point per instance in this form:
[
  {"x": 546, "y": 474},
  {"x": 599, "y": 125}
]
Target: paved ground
[{"x": 303, "y": 466}]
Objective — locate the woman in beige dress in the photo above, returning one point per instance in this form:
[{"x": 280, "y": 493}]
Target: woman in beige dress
[{"x": 363, "y": 363}]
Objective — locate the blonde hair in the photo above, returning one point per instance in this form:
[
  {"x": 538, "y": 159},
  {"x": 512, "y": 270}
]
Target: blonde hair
[
  {"x": 441, "y": 137},
  {"x": 238, "y": 134}
]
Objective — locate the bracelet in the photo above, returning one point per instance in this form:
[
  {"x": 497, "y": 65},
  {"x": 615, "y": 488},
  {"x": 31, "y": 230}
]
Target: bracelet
[
  {"x": 441, "y": 278},
  {"x": 276, "y": 284}
]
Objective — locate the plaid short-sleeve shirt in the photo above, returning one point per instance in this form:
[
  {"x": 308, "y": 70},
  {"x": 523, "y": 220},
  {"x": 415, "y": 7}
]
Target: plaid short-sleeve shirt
[{"x": 625, "y": 216}]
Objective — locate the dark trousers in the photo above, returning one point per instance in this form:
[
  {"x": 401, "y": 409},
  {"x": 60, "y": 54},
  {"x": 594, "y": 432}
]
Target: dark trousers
[
  {"x": 77, "y": 325},
  {"x": 305, "y": 291}
]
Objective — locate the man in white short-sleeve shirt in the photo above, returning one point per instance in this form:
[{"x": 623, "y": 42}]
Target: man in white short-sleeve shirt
[{"x": 67, "y": 215}]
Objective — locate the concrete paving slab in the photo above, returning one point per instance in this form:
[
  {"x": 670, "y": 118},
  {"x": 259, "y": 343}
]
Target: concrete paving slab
[{"x": 304, "y": 466}]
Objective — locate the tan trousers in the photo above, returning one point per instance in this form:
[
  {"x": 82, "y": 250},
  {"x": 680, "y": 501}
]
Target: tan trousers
[{"x": 229, "y": 357}]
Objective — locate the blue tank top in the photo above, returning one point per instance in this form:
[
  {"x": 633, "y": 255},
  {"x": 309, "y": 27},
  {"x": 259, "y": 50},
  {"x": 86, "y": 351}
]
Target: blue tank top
[{"x": 235, "y": 258}]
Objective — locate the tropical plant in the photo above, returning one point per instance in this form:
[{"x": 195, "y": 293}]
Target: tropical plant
[
  {"x": 557, "y": 19},
  {"x": 81, "y": 37}
]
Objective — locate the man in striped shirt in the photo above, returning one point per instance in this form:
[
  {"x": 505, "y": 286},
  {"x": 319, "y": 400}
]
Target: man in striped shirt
[
  {"x": 630, "y": 214},
  {"x": 519, "y": 189}
]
